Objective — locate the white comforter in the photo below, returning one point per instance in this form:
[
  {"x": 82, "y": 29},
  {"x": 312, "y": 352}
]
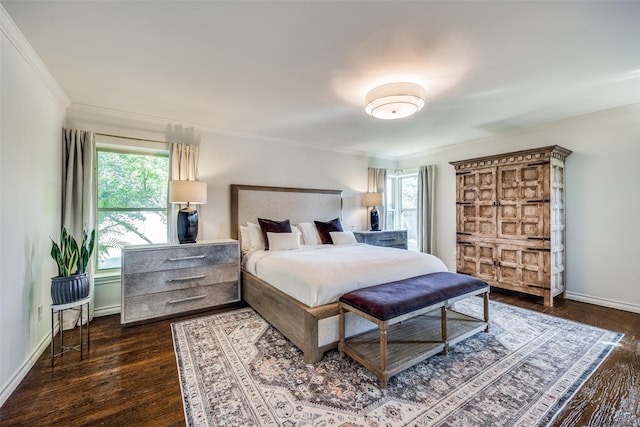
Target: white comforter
[{"x": 317, "y": 275}]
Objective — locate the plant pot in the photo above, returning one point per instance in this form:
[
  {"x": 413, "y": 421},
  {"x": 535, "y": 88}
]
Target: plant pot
[{"x": 69, "y": 289}]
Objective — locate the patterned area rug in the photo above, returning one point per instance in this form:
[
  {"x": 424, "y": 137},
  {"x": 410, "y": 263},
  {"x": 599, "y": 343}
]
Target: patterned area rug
[{"x": 237, "y": 370}]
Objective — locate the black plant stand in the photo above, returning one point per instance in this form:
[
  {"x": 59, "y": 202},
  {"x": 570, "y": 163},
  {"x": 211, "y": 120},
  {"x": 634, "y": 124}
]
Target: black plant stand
[{"x": 59, "y": 308}]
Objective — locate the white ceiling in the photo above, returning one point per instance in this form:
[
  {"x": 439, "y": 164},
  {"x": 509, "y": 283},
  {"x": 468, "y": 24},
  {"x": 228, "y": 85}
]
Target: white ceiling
[{"x": 299, "y": 70}]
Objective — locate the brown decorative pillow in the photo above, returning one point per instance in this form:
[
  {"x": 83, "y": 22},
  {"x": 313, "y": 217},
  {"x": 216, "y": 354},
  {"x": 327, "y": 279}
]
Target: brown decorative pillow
[
  {"x": 271, "y": 226},
  {"x": 324, "y": 228}
]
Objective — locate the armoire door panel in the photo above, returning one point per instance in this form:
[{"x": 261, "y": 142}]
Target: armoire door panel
[
  {"x": 521, "y": 266},
  {"x": 535, "y": 268},
  {"x": 466, "y": 258},
  {"x": 477, "y": 260},
  {"x": 523, "y": 182},
  {"x": 486, "y": 228},
  {"x": 476, "y": 198}
]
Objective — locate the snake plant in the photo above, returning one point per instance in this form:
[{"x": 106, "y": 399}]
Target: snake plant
[{"x": 70, "y": 257}]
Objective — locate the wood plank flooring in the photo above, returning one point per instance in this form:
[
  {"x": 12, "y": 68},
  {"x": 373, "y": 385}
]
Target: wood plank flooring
[{"x": 129, "y": 377}]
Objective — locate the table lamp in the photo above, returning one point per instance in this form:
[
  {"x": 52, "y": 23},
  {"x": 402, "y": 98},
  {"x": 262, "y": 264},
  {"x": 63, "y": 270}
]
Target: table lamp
[
  {"x": 372, "y": 200},
  {"x": 191, "y": 193}
]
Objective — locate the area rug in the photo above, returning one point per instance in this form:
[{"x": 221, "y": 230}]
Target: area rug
[{"x": 237, "y": 370}]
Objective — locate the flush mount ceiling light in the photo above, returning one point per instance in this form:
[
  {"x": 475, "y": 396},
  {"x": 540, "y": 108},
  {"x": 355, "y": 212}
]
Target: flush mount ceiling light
[{"x": 395, "y": 100}]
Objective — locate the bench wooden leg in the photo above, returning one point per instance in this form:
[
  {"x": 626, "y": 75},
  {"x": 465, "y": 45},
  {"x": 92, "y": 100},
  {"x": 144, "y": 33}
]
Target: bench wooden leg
[
  {"x": 383, "y": 347},
  {"x": 342, "y": 333},
  {"x": 486, "y": 310},
  {"x": 443, "y": 323},
  {"x": 383, "y": 377}
]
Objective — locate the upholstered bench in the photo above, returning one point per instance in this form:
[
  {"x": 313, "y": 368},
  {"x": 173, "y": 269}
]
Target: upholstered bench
[{"x": 414, "y": 320}]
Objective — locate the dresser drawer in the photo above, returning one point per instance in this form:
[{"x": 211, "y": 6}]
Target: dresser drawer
[
  {"x": 169, "y": 280},
  {"x": 387, "y": 238},
  {"x": 144, "y": 307},
  {"x": 174, "y": 257}
]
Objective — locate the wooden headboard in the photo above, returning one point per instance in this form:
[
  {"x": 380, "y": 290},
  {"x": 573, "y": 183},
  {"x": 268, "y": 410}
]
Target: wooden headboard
[{"x": 248, "y": 202}]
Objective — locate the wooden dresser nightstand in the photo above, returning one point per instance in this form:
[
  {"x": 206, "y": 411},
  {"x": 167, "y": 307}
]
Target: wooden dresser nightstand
[
  {"x": 166, "y": 280},
  {"x": 388, "y": 238}
]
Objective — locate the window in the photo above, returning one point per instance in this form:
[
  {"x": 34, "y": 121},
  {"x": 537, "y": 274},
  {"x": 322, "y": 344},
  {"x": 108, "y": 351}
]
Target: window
[
  {"x": 132, "y": 200},
  {"x": 402, "y": 205}
]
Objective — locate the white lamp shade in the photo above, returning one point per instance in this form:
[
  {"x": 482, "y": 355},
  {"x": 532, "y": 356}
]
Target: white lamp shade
[
  {"x": 372, "y": 199},
  {"x": 193, "y": 192}
]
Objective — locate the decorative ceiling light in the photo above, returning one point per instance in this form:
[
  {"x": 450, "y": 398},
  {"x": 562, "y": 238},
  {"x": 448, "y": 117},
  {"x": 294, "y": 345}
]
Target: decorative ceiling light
[{"x": 395, "y": 100}]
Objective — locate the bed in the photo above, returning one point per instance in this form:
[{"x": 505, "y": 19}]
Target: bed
[{"x": 311, "y": 321}]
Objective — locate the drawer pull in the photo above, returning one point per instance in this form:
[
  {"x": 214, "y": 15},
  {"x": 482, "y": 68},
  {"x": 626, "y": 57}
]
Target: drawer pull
[
  {"x": 388, "y": 240},
  {"x": 182, "y": 279},
  {"x": 186, "y": 258},
  {"x": 177, "y": 301}
]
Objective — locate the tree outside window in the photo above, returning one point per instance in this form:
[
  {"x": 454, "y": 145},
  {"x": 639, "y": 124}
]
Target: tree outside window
[{"x": 132, "y": 202}]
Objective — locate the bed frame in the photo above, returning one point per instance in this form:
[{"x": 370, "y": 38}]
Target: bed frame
[{"x": 298, "y": 322}]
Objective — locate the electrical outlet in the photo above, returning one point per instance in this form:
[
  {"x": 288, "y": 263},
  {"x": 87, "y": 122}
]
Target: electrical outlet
[{"x": 39, "y": 313}]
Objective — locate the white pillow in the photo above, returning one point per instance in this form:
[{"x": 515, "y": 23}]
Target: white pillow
[
  {"x": 309, "y": 233},
  {"x": 343, "y": 237},
  {"x": 296, "y": 229},
  {"x": 283, "y": 241},
  {"x": 255, "y": 236},
  {"x": 245, "y": 240}
]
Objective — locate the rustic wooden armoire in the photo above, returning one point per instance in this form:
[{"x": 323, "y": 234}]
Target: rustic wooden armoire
[{"x": 510, "y": 213}]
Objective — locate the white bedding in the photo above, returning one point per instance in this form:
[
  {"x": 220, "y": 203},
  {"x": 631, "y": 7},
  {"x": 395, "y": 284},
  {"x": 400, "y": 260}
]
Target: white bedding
[{"x": 317, "y": 275}]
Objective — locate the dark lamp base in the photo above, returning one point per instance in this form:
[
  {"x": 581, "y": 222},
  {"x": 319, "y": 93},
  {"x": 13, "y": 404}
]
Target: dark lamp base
[
  {"x": 375, "y": 220},
  {"x": 187, "y": 226}
]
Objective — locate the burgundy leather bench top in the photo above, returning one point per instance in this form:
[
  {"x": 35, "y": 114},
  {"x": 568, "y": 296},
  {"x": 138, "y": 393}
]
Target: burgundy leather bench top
[{"x": 394, "y": 299}]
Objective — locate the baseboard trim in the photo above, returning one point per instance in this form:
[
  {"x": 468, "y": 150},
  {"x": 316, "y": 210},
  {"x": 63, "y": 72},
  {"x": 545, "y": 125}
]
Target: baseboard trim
[
  {"x": 107, "y": 311},
  {"x": 26, "y": 367},
  {"x": 634, "y": 308}
]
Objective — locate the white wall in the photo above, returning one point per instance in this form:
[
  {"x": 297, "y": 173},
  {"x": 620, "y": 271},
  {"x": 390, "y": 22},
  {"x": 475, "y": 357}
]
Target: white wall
[
  {"x": 601, "y": 194},
  {"x": 31, "y": 117},
  {"x": 235, "y": 159}
]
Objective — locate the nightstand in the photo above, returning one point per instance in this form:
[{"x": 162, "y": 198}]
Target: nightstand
[
  {"x": 167, "y": 280},
  {"x": 387, "y": 238}
]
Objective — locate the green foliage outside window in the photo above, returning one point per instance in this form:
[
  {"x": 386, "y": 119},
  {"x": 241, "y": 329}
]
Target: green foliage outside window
[{"x": 132, "y": 202}]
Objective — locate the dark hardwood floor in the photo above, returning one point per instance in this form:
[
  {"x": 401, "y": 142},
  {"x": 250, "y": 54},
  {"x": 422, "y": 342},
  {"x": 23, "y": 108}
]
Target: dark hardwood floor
[{"x": 129, "y": 377}]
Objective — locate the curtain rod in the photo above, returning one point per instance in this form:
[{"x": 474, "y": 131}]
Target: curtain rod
[{"x": 131, "y": 138}]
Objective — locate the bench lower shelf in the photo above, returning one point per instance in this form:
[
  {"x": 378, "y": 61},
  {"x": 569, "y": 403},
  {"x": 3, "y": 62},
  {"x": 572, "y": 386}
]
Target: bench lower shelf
[{"x": 410, "y": 342}]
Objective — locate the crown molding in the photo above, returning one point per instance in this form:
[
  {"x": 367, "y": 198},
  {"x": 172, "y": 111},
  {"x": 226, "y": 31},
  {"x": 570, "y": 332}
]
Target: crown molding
[
  {"x": 19, "y": 41},
  {"x": 91, "y": 112},
  {"x": 514, "y": 133}
]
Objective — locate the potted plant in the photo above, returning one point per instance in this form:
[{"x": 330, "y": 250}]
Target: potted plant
[{"x": 72, "y": 282}]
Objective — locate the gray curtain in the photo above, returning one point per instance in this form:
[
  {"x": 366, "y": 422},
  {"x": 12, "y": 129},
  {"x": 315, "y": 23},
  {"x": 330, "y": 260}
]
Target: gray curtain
[
  {"x": 426, "y": 206},
  {"x": 79, "y": 180},
  {"x": 184, "y": 167},
  {"x": 376, "y": 184}
]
